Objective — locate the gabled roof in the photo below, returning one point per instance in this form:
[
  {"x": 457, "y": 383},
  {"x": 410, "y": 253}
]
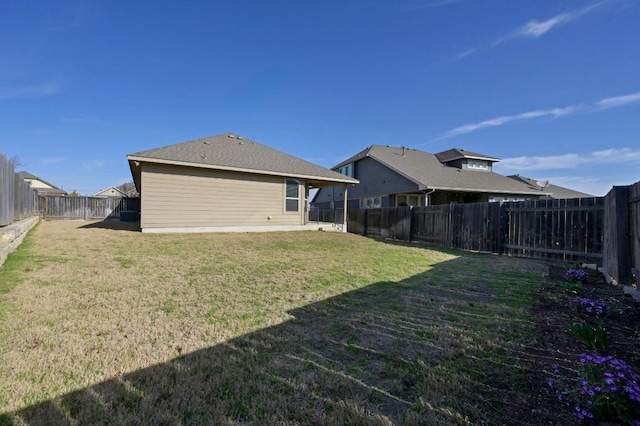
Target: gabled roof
[
  {"x": 458, "y": 153},
  {"x": 52, "y": 189},
  {"x": 428, "y": 172},
  {"x": 550, "y": 189},
  {"x": 120, "y": 192},
  {"x": 236, "y": 153}
]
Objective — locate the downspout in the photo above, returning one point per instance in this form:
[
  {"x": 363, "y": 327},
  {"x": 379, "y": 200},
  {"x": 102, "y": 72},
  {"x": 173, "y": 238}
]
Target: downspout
[
  {"x": 344, "y": 215},
  {"x": 426, "y": 197}
]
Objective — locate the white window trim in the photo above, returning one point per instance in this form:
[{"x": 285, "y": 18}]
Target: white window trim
[{"x": 285, "y": 198}]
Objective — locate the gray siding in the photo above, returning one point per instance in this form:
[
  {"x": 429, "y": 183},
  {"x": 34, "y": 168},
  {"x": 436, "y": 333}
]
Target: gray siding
[{"x": 375, "y": 180}]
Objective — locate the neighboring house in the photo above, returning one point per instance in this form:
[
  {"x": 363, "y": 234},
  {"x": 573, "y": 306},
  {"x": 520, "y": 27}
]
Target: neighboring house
[
  {"x": 550, "y": 190},
  {"x": 399, "y": 176},
  {"x": 111, "y": 191},
  {"x": 41, "y": 186},
  {"x": 225, "y": 183}
]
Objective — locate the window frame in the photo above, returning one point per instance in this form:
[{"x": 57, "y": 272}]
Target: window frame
[
  {"x": 478, "y": 164},
  {"x": 347, "y": 170},
  {"x": 287, "y": 198}
]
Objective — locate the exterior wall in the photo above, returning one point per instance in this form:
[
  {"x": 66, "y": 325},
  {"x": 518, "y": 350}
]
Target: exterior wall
[
  {"x": 177, "y": 199},
  {"x": 375, "y": 180},
  {"x": 109, "y": 192},
  {"x": 36, "y": 184}
]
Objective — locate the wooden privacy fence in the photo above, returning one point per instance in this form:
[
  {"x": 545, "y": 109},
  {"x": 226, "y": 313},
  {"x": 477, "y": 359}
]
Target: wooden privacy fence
[
  {"x": 554, "y": 229},
  {"x": 17, "y": 198},
  {"x": 622, "y": 233},
  {"x": 570, "y": 229},
  {"x": 601, "y": 230},
  {"x": 85, "y": 208}
]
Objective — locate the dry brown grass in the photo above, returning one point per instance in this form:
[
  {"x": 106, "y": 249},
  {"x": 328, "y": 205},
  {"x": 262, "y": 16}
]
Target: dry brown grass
[{"x": 103, "y": 325}]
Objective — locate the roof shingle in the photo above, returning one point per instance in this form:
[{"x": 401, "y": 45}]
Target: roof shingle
[{"x": 232, "y": 152}]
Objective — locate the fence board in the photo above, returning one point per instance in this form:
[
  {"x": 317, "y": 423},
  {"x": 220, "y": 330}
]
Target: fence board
[
  {"x": 7, "y": 191},
  {"x": 634, "y": 228},
  {"x": 569, "y": 229},
  {"x": 616, "y": 261},
  {"x": 84, "y": 208}
]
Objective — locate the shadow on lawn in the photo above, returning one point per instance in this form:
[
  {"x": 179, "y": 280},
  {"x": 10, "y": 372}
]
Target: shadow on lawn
[
  {"x": 113, "y": 224},
  {"x": 414, "y": 352}
]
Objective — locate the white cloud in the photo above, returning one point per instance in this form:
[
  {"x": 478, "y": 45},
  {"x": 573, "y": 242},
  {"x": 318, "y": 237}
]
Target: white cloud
[
  {"x": 46, "y": 89},
  {"x": 598, "y": 170},
  {"x": 619, "y": 156},
  {"x": 607, "y": 103},
  {"x": 534, "y": 29},
  {"x": 617, "y": 101}
]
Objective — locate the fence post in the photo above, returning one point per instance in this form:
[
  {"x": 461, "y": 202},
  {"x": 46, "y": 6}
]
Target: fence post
[
  {"x": 502, "y": 227},
  {"x": 616, "y": 260},
  {"x": 410, "y": 233}
]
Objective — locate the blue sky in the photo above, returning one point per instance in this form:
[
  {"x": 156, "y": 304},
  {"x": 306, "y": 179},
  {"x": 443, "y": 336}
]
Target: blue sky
[{"x": 552, "y": 87}]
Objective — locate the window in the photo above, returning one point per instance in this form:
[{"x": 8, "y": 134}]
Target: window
[
  {"x": 408, "y": 200},
  {"x": 370, "y": 202},
  {"x": 292, "y": 196},
  {"x": 477, "y": 164},
  {"x": 346, "y": 170}
]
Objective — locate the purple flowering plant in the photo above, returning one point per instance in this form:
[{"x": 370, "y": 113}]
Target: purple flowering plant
[
  {"x": 575, "y": 275},
  {"x": 607, "y": 389},
  {"x": 590, "y": 307}
]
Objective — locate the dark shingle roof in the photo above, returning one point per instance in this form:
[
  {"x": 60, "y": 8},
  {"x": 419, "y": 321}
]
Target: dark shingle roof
[
  {"x": 232, "y": 152},
  {"x": 427, "y": 171},
  {"x": 554, "y": 191},
  {"x": 457, "y": 153}
]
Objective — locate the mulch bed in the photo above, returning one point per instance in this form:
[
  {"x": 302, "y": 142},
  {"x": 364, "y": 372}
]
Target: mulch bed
[{"x": 554, "y": 344}]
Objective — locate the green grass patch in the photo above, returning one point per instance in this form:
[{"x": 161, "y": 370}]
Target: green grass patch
[{"x": 299, "y": 328}]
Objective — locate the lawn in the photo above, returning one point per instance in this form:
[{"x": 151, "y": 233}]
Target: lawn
[{"x": 103, "y": 325}]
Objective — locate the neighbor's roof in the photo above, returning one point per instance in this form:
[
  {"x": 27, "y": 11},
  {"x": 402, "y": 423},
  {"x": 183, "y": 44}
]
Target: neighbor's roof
[
  {"x": 236, "y": 153},
  {"x": 428, "y": 172},
  {"x": 550, "y": 189},
  {"x": 52, "y": 189},
  {"x": 458, "y": 153},
  {"x": 106, "y": 190}
]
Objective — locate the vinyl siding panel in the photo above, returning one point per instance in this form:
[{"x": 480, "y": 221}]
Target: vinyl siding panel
[
  {"x": 378, "y": 179},
  {"x": 176, "y": 197},
  {"x": 375, "y": 180}
]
